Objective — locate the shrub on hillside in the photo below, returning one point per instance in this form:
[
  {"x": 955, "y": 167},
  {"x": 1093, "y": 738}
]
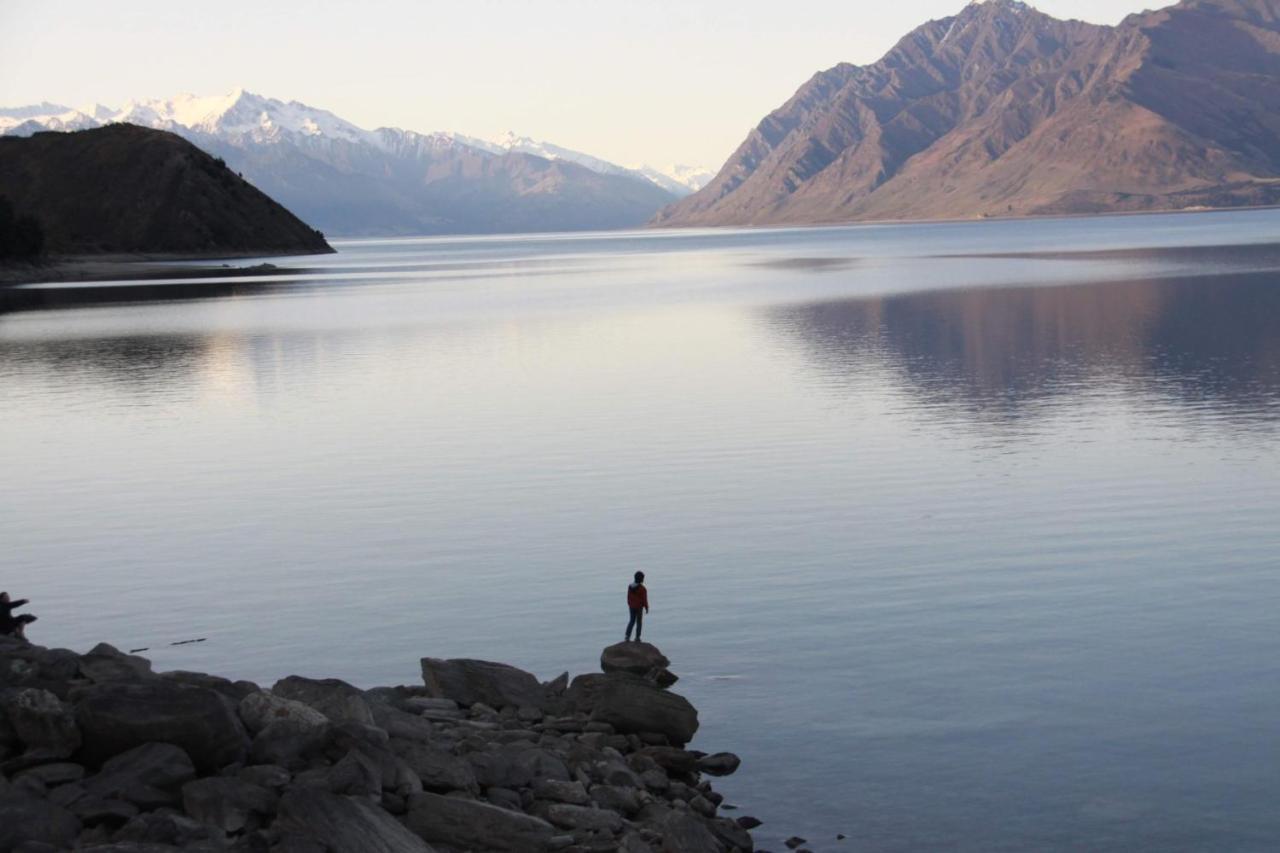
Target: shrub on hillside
[{"x": 21, "y": 237}]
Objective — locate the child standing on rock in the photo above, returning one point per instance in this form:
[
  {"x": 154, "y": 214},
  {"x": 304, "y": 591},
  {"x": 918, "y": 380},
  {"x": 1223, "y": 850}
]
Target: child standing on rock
[
  {"x": 10, "y": 625},
  {"x": 638, "y": 604}
]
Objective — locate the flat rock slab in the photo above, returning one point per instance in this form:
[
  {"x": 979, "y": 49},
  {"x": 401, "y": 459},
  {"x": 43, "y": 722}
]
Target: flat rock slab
[
  {"x": 470, "y": 824},
  {"x": 470, "y": 681},
  {"x": 343, "y": 824},
  {"x": 633, "y": 705}
]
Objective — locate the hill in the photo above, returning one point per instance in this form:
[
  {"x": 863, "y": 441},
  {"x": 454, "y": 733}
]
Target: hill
[
  {"x": 127, "y": 189},
  {"x": 1002, "y": 110}
]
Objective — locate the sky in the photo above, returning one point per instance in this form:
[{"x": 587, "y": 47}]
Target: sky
[{"x": 633, "y": 81}]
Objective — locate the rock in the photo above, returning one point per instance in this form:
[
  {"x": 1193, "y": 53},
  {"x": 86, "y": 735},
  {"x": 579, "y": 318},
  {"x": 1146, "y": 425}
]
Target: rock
[
  {"x": 259, "y": 710},
  {"x": 636, "y": 658},
  {"x": 227, "y": 804},
  {"x": 470, "y": 681},
  {"x": 439, "y": 770},
  {"x": 419, "y": 704},
  {"x": 655, "y": 780},
  {"x": 560, "y": 791},
  {"x": 163, "y": 828},
  {"x": 42, "y": 722},
  {"x": 334, "y": 698},
  {"x": 356, "y": 775},
  {"x": 267, "y": 775},
  {"x": 53, "y": 775},
  {"x": 343, "y": 825},
  {"x": 149, "y": 776},
  {"x": 719, "y": 764},
  {"x": 557, "y": 686},
  {"x": 95, "y": 811},
  {"x": 702, "y": 806},
  {"x": 632, "y": 704},
  {"x": 795, "y": 841},
  {"x": 516, "y": 766},
  {"x": 402, "y": 724},
  {"x": 105, "y": 663},
  {"x": 289, "y": 744},
  {"x": 118, "y": 716},
  {"x": 26, "y": 819},
  {"x": 661, "y": 676},
  {"x": 373, "y": 743},
  {"x": 619, "y": 799},
  {"x": 684, "y": 833},
  {"x": 582, "y": 691},
  {"x": 732, "y": 833},
  {"x": 233, "y": 690},
  {"x": 672, "y": 759},
  {"x": 584, "y": 817},
  {"x": 470, "y": 824},
  {"x": 749, "y": 822},
  {"x": 506, "y": 798}
]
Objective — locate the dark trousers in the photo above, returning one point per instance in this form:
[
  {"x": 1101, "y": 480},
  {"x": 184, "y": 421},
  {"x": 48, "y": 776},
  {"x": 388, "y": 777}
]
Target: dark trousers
[{"x": 637, "y": 621}]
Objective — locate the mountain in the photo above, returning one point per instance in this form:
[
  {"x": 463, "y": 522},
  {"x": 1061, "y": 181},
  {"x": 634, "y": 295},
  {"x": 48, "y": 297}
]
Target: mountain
[
  {"x": 124, "y": 188},
  {"x": 348, "y": 180},
  {"x": 1003, "y": 110}
]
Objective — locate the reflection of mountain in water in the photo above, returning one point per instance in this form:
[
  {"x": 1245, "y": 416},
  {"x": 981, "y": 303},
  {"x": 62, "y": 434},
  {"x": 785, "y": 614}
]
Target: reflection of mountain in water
[{"x": 1004, "y": 354}]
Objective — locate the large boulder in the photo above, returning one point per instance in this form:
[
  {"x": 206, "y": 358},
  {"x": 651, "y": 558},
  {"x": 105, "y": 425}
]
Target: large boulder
[
  {"x": 24, "y": 818},
  {"x": 632, "y": 705},
  {"x": 119, "y": 716},
  {"x": 636, "y": 658},
  {"x": 42, "y": 722},
  {"x": 334, "y": 698},
  {"x": 259, "y": 710},
  {"x": 233, "y": 690},
  {"x": 339, "y": 824},
  {"x": 104, "y": 663},
  {"x": 473, "y": 825},
  {"x": 470, "y": 681}
]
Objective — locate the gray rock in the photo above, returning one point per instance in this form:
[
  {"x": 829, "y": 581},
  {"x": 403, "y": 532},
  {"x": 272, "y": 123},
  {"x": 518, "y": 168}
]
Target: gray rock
[
  {"x": 584, "y": 817},
  {"x": 227, "y": 804},
  {"x": 42, "y": 722},
  {"x": 267, "y": 775},
  {"x": 26, "y": 819},
  {"x": 439, "y": 770},
  {"x": 149, "y": 776},
  {"x": 356, "y": 775},
  {"x": 343, "y": 824},
  {"x": 672, "y": 759},
  {"x": 418, "y": 704},
  {"x": 53, "y": 775},
  {"x": 684, "y": 833},
  {"x": 558, "y": 685},
  {"x": 289, "y": 744},
  {"x": 635, "y": 658},
  {"x": 581, "y": 693},
  {"x": 118, "y": 716},
  {"x": 470, "y": 681},
  {"x": 104, "y": 662},
  {"x": 749, "y": 822},
  {"x": 623, "y": 800},
  {"x": 470, "y": 824},
  {"x": 719, "y": 764},
  {"x": 661, "y": 676},
  {"x": 732, "y": 833},
  {"x": 655, "y": 780},
  {"x": 561, "y": 792},
  {"x": 163, "y": 828},
  {"x": 506, "y": 798},
  {"x": 402, "y": 724},
  {"x": 95, "y": 811},
  {"x": 702, "y": 806},
  {"x": 259, "y": 710},
  {"x": 516, "y": 766},
  {"x": 632, "y": 704},
  {"x": 233, "y": 690},
  {"x": 336, "y": 699}
]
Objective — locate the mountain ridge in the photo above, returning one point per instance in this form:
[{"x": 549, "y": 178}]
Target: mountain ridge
[{"x": 1004, "y": 110}]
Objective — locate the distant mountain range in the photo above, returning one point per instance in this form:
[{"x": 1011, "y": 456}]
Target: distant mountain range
[
  {"x": 346, "y": 180},
  {"x": 127, "y": 189},
  {"x": 1002, "y": 110}
]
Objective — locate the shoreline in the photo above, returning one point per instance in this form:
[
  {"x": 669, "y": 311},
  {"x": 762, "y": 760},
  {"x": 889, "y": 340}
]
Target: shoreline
[
  {"x": 141, "y": 267},
  {"x": 99, "y": 751}
]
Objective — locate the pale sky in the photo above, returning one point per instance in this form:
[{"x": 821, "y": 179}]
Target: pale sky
[{"x": 633, "y": 81}]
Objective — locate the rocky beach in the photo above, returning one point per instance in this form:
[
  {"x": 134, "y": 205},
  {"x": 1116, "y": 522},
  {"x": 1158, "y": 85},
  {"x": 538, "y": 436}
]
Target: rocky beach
[{"x": 99, "y": 752}]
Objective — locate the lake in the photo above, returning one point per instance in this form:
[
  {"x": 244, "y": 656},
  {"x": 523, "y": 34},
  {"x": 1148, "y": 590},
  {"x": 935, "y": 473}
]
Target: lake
[{"x": 964, "y": 536}]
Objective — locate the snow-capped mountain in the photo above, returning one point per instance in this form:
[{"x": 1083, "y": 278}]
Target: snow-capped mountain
[
  {"x": 345, "y": 179},
  {"x": 678, "y": 179}
]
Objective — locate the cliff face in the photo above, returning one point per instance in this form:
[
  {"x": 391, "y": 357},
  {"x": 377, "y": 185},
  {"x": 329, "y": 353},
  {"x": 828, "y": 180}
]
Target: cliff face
[
  {"x": 129, "y": 189},
  {"x": 1004, "y": 110}
]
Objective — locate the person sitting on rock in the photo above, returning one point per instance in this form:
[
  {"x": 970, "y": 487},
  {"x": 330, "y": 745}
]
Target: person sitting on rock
[
  {"x": 638, "y": 603},
  {"x": 10, "y": 625}
]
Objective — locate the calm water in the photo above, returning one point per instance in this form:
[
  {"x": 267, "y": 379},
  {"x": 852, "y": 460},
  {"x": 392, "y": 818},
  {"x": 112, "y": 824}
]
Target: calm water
[{"x": 965, "y": 536}]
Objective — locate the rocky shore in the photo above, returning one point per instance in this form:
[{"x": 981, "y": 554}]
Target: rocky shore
[{"x": 98, "y": 752}]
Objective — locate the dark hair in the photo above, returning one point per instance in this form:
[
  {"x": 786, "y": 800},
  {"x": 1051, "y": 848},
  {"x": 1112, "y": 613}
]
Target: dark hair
[{"x": 639, "y": 577}]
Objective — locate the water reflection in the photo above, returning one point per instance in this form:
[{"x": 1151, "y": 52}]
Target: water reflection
[{"x": 1004, "y": 354}]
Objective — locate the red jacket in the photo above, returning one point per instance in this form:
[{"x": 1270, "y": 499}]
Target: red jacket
[{"x": 637, "y": 596}]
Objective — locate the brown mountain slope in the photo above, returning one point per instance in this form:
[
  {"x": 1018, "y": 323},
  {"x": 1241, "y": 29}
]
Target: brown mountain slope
[
  {"x": 123, "y": 188},
  {"x": 1004, "y": 110}
]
